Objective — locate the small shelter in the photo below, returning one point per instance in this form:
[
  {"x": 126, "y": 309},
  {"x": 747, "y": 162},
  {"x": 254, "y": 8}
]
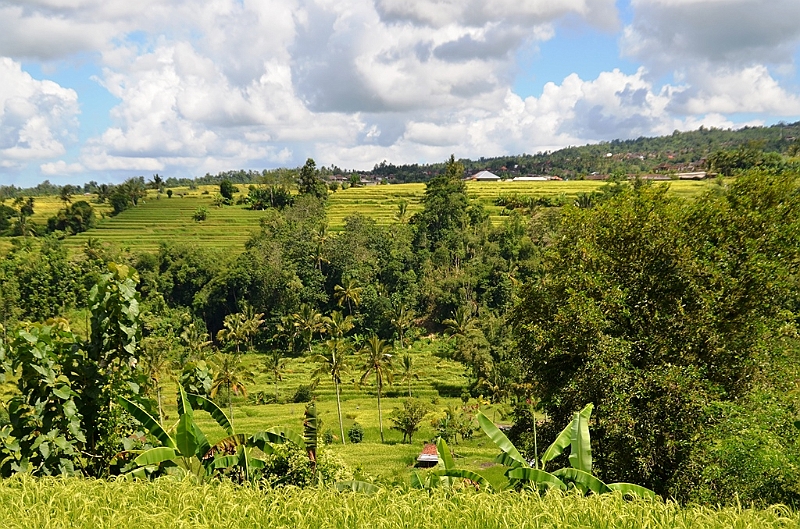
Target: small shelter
[
  {"x": 486, "y": 176},
  {"x": 429, "y": 456}
]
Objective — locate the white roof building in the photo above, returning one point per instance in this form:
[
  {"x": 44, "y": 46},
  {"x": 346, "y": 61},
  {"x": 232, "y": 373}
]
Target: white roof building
[{"x": 486, "y": 176}]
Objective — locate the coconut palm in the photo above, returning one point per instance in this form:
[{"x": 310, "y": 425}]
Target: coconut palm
[
  {"x": 407, "y": 371},
  {"x": 275, "y": 364},
  {"x": 337, "y": 324},
  {"x": 334, "y": 364},
  {"x": 461, "y": 322},
  {"x": 195, "y": 341},
  {"x": 377, "y": 360},
  {"x": 349, "y": 292},
  {"x": 401, "y": 319},
  {"x": 307, "y": 322},
  {"x": 156, "y": 362},
  {"x": 231, "y": 375}
]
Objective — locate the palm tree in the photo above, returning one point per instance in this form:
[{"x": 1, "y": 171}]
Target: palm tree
[
  {"x": 402, "y": 211},
  {"x": 349, "y": 293},
  {"x": 320, "y": 239},
  {"x": 407, "y": 371},
  {"x": 337, "y": 325},
  {"x": 66, "y": 194},
  {"x": 308, "y": 322},
  {"x": 231, "y": 375},
  {"x": 461, "y": 322},
  {"x": 378, "y": 360},
  {"x": 156, "y": 362},
  {"x": 334, "y": 364},
  {"x": 196, "y": 342},
  {"x": 401, "y": 318},
  {"x": 275, "y": 364},
  {"x": 252, "y": 322},
  {"x": 235, "y": 330}
]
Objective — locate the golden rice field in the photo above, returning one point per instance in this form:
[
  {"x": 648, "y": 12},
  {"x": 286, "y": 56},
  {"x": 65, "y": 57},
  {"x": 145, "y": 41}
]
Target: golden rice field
[{"x": 81, "y": 503}]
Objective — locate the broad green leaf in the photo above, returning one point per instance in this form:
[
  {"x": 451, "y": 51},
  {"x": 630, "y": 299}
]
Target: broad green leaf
[
  {"x": 417, "y": 482},
  {"x": 225, "y": 461},
  {"x": 536, "y": 476},
  {"x": 574, "y": 475},
  {"x": 185, "y": 438},
  {"x": 466, "y": 474},
  {"x": 156, "y": 456},
  {"x": 500, "y": 439},
  {"x": 201, "y": 403},
  {"x": 444, "y": 454},
  {"x": 184, "y": 406},
  {"x": 62, "y": 392},
  {"x": 580, "y": 450},
  {"x": 506, "y": 460},
  {"x": 357, "y": 486},
  {"x": 629, "y": 489},
  {"x": 148, "y": 422},
  {"x": 564, "y": 438},
  {"x": 289, "y": 435}
]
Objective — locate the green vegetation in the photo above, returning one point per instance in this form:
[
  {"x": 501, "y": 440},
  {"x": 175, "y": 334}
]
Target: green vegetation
[{"x": 671, "y": 308}]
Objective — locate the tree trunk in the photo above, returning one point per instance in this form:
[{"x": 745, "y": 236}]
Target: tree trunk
[
  {"x": 339, "y": 411},
  {"x": 230, "y": 404},
  {"x": 160, "y": 409},
  {"x": 380, "y": 415}
]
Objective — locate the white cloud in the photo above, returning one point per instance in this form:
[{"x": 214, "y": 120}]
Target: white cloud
[
  {"x": 680, "y": 33},
  {"x": 36, "y": 117}
]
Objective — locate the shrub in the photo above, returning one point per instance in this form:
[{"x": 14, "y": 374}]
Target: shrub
[
  {"x": 200, "y": 214},
  {"x": 355, "y": 433},
  {"x": 304, "y": 393}
]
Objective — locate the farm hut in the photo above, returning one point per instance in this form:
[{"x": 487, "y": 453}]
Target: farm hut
[
  {"x": 429, "y": 456},
  {"x": 486, "y": 176}
]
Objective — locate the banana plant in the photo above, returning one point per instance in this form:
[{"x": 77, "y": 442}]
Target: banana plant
[
  {"x": 188, "y": 449},
  {"x": 579, "y": 475}
]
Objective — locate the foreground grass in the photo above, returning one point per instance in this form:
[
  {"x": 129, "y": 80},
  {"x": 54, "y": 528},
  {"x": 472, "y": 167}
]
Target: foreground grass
[{"x": 49, "y": 503}]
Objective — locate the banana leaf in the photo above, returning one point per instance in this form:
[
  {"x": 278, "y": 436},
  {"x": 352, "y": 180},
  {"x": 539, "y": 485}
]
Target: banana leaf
[
  {"x": 573, "y": 475},
  {"x": 564, "y": 438},
  {"x": 500, "y": 439},
  {"x": 466, "y": 474},
  {"x": 580, "y": 450},
  {"x": 357, "y": 486},
  {"x": 184, "y": 406},
  {"x": 148, "y": 422},
  {"x": 185, "y": 438},
  {"x": 536, "y": 476},
  {"x": 287, "y": 435},
  {"x": 629, "y": 489},
  {"x": 156, "y": 456},
  {"x": 444, "y": 454},
  {"x": 506, "y": 460},
  {"x": 262, "y": 440},
  {"x": 201, "y": 403},
  {"x": 418, "y": 482}
]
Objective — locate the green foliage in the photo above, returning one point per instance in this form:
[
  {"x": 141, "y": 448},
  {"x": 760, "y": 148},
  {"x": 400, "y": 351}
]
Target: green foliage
[
  {"x": 355, "y": 434},
  {"x": 407, "y": 419},
  {"x": 76, "y": 218},
  {"x": 44, "y": 434},
  {"x": 227, "y": 189},
  {"x": 654, "y": 309},
  {"x": 310, "y": 183},
  {"x": 200, "y": 214}
]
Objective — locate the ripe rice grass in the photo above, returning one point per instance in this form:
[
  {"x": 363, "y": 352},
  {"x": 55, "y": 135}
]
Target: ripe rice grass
[{"x": 71, "y": 502}]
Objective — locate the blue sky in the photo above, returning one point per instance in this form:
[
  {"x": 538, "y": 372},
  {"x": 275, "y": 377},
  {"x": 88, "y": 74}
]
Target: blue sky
[{"x": 104, "y": 89}]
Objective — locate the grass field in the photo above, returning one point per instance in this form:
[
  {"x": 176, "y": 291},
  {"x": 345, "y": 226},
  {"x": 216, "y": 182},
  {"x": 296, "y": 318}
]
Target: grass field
[
  {"x": 75, "y": 503},
  {"x": 160, "y": 219}
]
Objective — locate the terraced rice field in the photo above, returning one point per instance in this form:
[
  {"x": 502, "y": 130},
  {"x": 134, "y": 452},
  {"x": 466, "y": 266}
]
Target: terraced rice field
[{"x": 169, "y": 220}]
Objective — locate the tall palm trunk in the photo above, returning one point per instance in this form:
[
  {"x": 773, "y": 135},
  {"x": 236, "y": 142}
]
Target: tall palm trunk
[
  {"x": 160, "y": 409},
  {"x": 380, "y": 414},
  {"x": 230, "y": 403},
  {"x": 339, "y": 411}
]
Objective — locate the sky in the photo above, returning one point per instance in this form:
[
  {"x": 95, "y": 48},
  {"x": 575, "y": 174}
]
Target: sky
[{"x": 108, "y": 89}]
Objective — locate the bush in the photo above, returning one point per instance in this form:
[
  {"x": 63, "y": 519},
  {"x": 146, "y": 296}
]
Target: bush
[
  {"x": 355, "y": 433},
  {"x": 289, "y": 465},
  {"x": 200, "y": 214},
  {"x": 304, "y": 393}
]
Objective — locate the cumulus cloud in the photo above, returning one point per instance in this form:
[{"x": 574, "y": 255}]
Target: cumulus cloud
[
  {"x": 677, "y": 33},
  {"x": 36, "y": 117}
]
